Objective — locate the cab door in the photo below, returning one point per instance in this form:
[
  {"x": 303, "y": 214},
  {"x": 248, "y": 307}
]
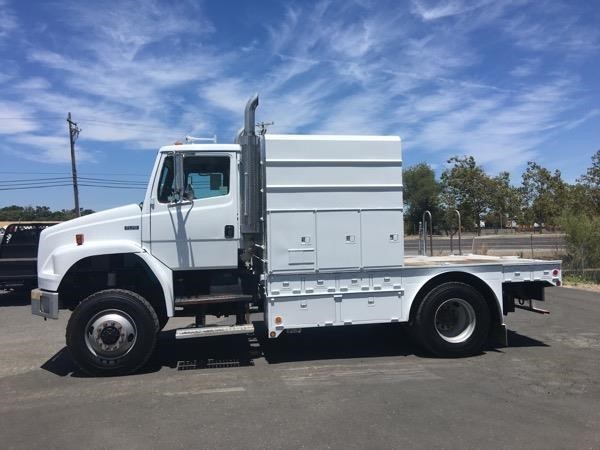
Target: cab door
[{"x": 201, "y": 229}]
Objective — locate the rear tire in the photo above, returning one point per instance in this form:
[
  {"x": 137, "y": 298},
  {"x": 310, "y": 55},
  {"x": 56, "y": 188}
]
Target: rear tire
[
  {"x": 112, "y": 332},
  {"x": 453, "y": 320}
]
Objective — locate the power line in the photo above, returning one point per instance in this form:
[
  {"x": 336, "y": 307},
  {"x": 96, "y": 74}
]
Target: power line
[
  {"x": 33, "y": 187},
  {"x": 145, "y": 175},
  {"x": 29, "y": 117},
  {"x": 114, "y": 187},
  {"x": 19, "y": 172},
  {"x": 59, "y": 183},
  {"x": 123, "y": 174},
  {"x": 104, "y": 122},
  {"x": 114, "y": 181},
  {"x": 12, "y": 188},
  {"x": 35, "y": 179}
]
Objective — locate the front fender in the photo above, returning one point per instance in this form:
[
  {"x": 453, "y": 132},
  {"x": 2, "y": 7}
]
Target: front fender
[{"x": 64, "y": 257}]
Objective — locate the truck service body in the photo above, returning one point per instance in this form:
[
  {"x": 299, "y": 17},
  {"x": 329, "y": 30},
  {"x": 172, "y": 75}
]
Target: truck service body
[{"x": 305, "y": 228}]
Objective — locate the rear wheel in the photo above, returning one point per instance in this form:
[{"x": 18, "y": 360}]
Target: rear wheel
[
  {"x": 453, "y": 320},
  {"x": 112, "y": 332}
]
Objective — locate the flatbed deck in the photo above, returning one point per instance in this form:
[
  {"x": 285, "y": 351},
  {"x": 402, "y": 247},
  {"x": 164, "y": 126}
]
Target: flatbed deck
[{"x": 468, "y": 259}]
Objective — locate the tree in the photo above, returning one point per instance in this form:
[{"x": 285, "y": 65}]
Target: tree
[
  {"x": 583, "y": 241},
  {"x": 543, "y": 194},
  {"x": 592, "y": 176},
  {"x": 587, "y": 189},
  {"x": 420, "y": 192},
  {"x": 16, "y": 213},
  {"x": 465, "y": 186},
  {"x": 504, "y": 200}
]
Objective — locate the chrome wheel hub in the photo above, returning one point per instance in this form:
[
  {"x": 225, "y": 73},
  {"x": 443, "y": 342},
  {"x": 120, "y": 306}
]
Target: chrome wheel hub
[
  {"x": 455, "y": 320},
  {"x": 110, "y": 334}
]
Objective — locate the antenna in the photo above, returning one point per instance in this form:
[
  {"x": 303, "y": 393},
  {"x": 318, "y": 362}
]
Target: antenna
[{"x": 263, "y": 127}]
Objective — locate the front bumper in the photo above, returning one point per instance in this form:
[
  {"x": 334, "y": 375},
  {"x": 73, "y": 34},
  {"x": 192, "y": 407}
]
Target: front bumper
[{"x": 44, "y": 303}]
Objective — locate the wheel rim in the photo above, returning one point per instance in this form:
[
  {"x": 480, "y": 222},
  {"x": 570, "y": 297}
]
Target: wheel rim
[
  {"x": 110, "y": 334},
  {"x": 455, "y": 320}
]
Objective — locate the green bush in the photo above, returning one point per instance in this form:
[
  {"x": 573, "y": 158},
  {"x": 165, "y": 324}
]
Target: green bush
[{"x": 583, "y": 242}]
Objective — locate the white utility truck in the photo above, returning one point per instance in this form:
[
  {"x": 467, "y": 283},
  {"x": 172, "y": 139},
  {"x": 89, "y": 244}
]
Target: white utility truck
[{"x": 306, "y": 229}]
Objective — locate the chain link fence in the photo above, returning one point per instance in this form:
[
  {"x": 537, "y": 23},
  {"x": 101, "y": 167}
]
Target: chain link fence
[{"x": 544, "y": 246}]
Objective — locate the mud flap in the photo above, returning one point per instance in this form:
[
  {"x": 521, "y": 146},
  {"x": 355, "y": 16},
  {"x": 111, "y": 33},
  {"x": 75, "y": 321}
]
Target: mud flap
[{"x": 498, "y": 336}]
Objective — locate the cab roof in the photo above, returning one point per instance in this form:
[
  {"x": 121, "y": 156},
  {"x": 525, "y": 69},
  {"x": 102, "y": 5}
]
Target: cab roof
[{"x": 201, "y": 148}]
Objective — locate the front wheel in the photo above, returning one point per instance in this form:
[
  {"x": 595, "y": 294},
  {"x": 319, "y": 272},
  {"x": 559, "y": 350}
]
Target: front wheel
[
  {"x": 453, "y": 320},
  {"x": 112, "y": 332}
]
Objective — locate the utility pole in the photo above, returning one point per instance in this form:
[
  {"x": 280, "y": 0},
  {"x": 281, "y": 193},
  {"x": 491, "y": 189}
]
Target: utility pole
[{"x": 73, "y": 134}]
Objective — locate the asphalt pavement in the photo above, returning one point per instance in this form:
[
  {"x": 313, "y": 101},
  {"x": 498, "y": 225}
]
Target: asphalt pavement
[{"x": 350, "y": 387}]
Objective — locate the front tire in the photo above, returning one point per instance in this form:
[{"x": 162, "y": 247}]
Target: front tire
[
  {"x": 453, "y": 320},
  {"x": 112, "y": 332}
]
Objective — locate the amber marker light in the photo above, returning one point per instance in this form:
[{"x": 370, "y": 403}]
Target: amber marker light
[
  {"x": 79, "y": 239},
  {"x": 278, "y": 320},
  {"x": 272, "y": 334}
]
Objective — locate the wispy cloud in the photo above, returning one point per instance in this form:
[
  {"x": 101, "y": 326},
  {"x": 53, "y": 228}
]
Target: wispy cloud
[
  {"x": 50, "y": 149},
  {"x": 8, "y": 21},
  {"x": 526, "y": 68},
  {"x": 439, "y": 10},
  {"x": 552, "y": 32},
  {"x": 499, "y": 130},
  {"x": 141, "y": 74}
]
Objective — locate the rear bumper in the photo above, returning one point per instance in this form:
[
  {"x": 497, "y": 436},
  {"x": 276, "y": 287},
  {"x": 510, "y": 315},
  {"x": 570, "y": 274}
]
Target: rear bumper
[{"x": 44, "y": 303}]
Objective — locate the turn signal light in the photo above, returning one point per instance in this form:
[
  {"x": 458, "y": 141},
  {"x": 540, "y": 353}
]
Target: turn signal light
[{"x": 79, "y": 239}]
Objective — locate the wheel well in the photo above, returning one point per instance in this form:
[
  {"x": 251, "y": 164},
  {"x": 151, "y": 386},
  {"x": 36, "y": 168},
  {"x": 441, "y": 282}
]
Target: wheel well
[
  {"x": 122, "y": 271},
  {"x": 461, "y": 277}
]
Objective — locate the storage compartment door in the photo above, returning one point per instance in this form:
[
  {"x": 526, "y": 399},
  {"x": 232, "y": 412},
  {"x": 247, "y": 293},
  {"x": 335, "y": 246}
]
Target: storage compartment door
[
  {"x": 291, "y": 241},
  {"x": 338, "y": 240},
  {"x": 382, "y": 238}
]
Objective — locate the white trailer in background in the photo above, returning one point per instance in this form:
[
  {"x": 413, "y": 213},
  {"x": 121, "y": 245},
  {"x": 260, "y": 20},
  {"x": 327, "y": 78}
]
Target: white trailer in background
[{"x": 307, "y": 229}]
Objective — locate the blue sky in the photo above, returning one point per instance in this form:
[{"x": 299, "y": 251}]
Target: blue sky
[{"x": 505, "y": 81}]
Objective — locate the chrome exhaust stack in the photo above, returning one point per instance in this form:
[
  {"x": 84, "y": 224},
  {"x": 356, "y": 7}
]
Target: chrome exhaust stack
[{"x": 250, "y": 170}]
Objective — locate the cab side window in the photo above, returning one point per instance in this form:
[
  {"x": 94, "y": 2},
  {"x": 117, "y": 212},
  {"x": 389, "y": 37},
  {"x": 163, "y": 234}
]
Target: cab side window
[
  {"x": 206, "y": 176},
  {"x": 166, "y": 180}
]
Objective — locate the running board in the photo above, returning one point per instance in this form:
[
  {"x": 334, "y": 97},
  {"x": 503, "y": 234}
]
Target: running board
[
  {"x": 212, "y": 298},
  {"x": 227, "y": 330}
]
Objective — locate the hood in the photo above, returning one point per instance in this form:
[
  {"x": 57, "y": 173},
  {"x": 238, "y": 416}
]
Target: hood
[{"x": 122, "y": 223}]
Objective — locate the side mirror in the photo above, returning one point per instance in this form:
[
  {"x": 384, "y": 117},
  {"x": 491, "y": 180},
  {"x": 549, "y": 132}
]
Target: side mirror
[{"x": 188, "y": 193}]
